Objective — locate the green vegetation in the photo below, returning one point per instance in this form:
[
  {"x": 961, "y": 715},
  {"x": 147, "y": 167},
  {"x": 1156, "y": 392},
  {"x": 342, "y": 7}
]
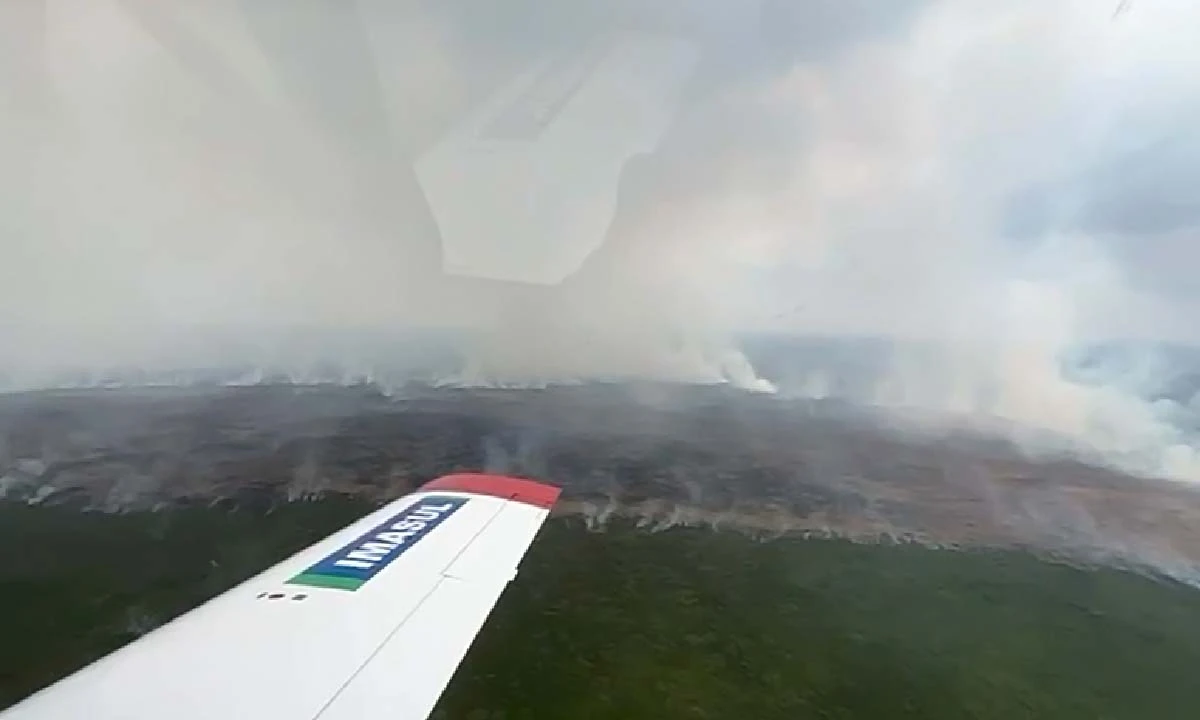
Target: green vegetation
[
  {"x": 74, "y": 586},
  {"x": 682, "y": 624}
]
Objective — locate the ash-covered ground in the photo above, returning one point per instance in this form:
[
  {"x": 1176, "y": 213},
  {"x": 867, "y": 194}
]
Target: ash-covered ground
[{"x": 664, "y": 454}]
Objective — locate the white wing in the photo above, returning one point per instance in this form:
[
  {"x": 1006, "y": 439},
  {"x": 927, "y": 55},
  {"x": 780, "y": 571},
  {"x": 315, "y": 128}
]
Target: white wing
[{"x": 369, "y": 623}]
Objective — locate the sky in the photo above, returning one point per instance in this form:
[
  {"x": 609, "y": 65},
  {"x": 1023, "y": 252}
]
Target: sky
[{"x": 999, "y": 180}]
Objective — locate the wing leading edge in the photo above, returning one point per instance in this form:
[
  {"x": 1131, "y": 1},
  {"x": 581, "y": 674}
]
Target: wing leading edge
[{"x": 369, "y": 623}]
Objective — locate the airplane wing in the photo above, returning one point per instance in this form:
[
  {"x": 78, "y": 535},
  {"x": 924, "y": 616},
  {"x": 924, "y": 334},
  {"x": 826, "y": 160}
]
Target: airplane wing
[{"x": 369, "y": 623}]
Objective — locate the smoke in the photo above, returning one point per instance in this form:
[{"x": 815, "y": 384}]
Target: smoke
[
  {"x": 986, "y": 185},
  {"x": 1052, "y": 98},
  {"x": 876, "y": 195}
]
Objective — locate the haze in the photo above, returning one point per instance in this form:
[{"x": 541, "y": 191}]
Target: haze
[{"x": 989, "y": 183}]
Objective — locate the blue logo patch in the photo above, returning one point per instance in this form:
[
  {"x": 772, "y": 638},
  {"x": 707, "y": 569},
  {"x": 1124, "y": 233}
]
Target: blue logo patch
[{"x": 356, "y": 563}]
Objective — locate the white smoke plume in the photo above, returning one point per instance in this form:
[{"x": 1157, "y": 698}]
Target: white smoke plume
[{"x": 987, "y": 184}]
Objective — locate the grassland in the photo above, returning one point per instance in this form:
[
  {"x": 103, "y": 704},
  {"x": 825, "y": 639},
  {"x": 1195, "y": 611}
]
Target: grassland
[{"x": 687, "y": 623}]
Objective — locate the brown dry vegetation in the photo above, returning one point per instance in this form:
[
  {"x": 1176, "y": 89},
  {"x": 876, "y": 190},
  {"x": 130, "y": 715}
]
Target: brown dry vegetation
[{"x": 665, "y": 454}]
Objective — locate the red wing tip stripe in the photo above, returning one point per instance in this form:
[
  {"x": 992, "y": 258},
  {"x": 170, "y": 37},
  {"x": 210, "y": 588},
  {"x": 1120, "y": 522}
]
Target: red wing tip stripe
[{"x": 501, "y": 486}]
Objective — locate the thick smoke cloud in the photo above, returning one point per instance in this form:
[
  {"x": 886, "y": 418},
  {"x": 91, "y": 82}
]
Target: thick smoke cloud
[{"x": 987, "y": 184}]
